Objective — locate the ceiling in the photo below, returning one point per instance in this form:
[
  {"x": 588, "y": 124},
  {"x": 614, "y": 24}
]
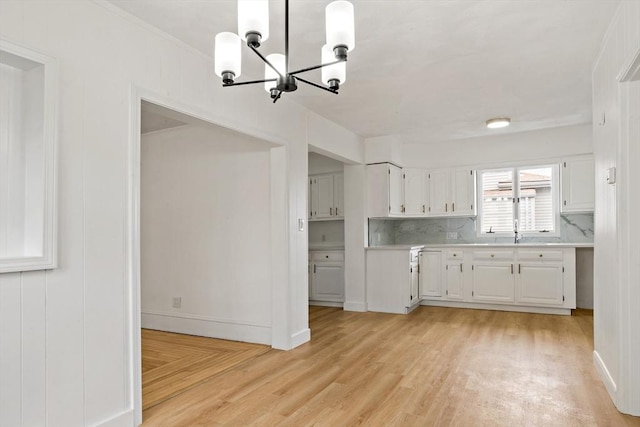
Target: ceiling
[{"x": 424, "y": 70}]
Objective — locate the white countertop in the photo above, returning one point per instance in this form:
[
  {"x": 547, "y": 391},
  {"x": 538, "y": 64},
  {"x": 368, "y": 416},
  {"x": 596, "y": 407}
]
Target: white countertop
[{"x": 482, "y": 245}]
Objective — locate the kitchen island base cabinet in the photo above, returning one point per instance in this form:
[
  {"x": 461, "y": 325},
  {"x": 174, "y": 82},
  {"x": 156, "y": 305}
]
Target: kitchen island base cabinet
[{"x": 392, "y": 280}]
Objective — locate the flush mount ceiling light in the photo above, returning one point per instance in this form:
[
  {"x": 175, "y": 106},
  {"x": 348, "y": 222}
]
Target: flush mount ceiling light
[
  {"x": 498, "y": 122},
  {"x": 253, "y": 28}
]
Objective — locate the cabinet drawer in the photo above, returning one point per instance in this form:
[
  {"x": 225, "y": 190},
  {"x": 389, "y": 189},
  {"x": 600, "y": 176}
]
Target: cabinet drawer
[
  {"x": 455, "y": 255},
  {"x": 327, "y": 256},
  {"x": 501, "y": 255},
  {"x": 539, "y": 255}
]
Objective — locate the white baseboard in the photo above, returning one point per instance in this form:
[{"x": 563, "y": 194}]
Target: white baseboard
[
  {"x": 206, "y": 327},
  {"x": 605, "y": 376},
  {"x": 326, "y": 303},
  {"x": 499, "y": 307},
  {"x": 124, "y": 419},
  {"x": 300, "y": 338},
  {"x": 355, "y": 306}
]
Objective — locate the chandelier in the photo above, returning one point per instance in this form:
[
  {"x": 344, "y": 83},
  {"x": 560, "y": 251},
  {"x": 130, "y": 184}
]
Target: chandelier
[{"x": 253, "y": 28}]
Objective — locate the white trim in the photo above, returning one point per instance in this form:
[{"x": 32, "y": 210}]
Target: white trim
[
  {"x": 605, "y": 376},
  {"x": 123, "y": 419},
  {"x": 499, "y": 307},
  {"x": 355, "y": 306},
  {"x": 207, "y": 327},
  {"x": 203, "y": 318},
  {"x": 326, "y": 304},
  {"x": 49, "y": 258},
  {"x": 301, "y": 337},
  {"x": 631, "y": 70}
]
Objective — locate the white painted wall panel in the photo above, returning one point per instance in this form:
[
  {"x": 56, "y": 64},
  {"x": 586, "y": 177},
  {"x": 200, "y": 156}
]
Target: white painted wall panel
[
  {"x": 205, "y": 217},
  {"x": 10, "y": 350},
  {"x": 33, "y": 319}
]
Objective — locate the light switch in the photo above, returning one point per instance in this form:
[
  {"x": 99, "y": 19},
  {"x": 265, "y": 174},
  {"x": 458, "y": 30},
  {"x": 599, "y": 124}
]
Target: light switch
[
  {"x": 611, "y": 175},
  {"x": 300, "y": 224}
]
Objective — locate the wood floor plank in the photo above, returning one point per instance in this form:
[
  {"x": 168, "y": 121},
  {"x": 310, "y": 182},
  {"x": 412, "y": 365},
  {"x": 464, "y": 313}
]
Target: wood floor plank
[{"x": 434, "y": 367}]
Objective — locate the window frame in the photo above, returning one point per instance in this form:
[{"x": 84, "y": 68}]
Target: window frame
[{"x": 555, "y": 199}]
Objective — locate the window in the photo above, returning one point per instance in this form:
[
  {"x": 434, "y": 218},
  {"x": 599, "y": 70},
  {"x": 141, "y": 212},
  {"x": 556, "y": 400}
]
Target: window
[{"x": 525, "y": 197}]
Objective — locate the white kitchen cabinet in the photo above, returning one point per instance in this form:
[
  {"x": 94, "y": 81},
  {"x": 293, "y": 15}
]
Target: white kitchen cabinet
[
  {"x": 578, "y": 184},
  {"x": 454, "y": 275},
  {"x": 493, "y": 276},
  {"x": 539, "y": 278},
  {"x": 385, "y": 197},
  {"x": 391, "y": 281},
  {"x": 414, "y": 285},
  {"x": 326, "y": 276},
  {"x": 452, "y": 192},
  {"x": 430, "y": 266},
  {"x": 326, "y": 197},
  {"x": 416, "y": 197}
]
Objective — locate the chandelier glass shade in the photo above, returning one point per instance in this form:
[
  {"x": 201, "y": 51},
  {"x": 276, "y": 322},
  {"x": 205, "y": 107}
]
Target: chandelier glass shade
[{"x": 253, "y": 29}]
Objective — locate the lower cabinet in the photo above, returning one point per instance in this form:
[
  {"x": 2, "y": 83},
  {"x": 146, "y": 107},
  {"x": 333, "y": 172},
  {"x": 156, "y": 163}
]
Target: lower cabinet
[
  {"x": 510, "y": 278},
  {"x": 393, "y": 280},
  {"x": 430, "y": 277},
  {"x": 326, "y": 276}
]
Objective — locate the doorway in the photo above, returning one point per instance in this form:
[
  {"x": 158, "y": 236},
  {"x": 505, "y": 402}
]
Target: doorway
[{"x": 203, "y": 197}]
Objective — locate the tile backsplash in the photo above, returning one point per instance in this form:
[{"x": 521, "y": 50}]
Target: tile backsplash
[{"x": 574, "y": 228}]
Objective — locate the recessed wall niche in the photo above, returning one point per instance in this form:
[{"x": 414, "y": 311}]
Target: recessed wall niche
[{"x": 28, "y": 131}]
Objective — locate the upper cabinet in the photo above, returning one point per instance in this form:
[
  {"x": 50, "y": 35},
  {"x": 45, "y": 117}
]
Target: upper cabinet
[
  {"x": 452, "y": 192},
  {"x": 326, "y": 196},
  {"x": 385, "y": 193},
  {"x": 411, "y": 192},
  {"x": 416, "y": 192},
  {"x": 578, "y": 184}
]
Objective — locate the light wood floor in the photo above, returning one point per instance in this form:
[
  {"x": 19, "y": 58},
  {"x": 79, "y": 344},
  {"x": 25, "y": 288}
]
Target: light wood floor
[
  {"x": 173, "y": 363},
  {"x": 434, "y": 367}
]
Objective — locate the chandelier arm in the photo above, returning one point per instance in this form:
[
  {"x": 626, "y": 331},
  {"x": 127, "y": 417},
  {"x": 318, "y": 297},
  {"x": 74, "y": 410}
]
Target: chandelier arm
[
  {"x": 266, "y": 61},
  {"x": 277, "y": 97},
  {"x": 315, "y": 67},
  {"x": 317, "y": 85},
  {"x": 249, "y": 82}
]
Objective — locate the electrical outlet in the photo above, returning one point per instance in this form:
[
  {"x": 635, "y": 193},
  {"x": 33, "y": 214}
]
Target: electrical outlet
[
  {"x": 177, "y": 302},
  {"x": 452, "y": 235}
]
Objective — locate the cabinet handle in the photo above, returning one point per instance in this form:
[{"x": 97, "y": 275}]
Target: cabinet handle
[
  {"x": 330, "y": 211},
  {"x": 519, "y": 269},
  {"x": 511, "y": 268},
  {"x": 540, "y": 255},
  {"x": 336, "y": 211},
  {"x": 460, "y": 268},
  {"x": 445, "y": 207},
  {"x": 314, "y": 268},
  {"x": 423, "y": 209},
  {"x": 453, "y": 207}
]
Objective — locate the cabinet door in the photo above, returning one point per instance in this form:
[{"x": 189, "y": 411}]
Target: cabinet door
[
  {"x": 378, "y": 203},
  {"x": 324, "y": 206},
  {"x": 540, "y": 284},
  {"x": 338, "y": 195},
  {"x": 430, "y": 273},
  {"x": 463, "y": 189},
  {"x": 454, "y": 280},
  {"x": 578, "y": 185},
  {"x": 414, "y": 286},
  {"x": 328, "y": 282},
  {"x": 396, "y": 198},
  {"x": 493, "y": 282},
  {"x": 415, "y": 191},
  {"x": 439, "y": 203}
]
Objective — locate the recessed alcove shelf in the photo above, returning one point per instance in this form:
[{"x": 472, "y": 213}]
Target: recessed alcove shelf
[{"x": 28, "y": 139}]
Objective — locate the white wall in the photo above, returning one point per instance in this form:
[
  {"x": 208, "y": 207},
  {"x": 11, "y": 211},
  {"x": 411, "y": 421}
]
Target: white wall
[
  {"x": 544, "y": 144},
  {"x": 617, "y": 236},
  {"x": 83, "y": 325},
  {"x": 205, "y": 222},
  {"x": 323, "y": 164}
]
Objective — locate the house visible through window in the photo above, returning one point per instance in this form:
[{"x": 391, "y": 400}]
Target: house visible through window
[{"x": 526, "y": 194}]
